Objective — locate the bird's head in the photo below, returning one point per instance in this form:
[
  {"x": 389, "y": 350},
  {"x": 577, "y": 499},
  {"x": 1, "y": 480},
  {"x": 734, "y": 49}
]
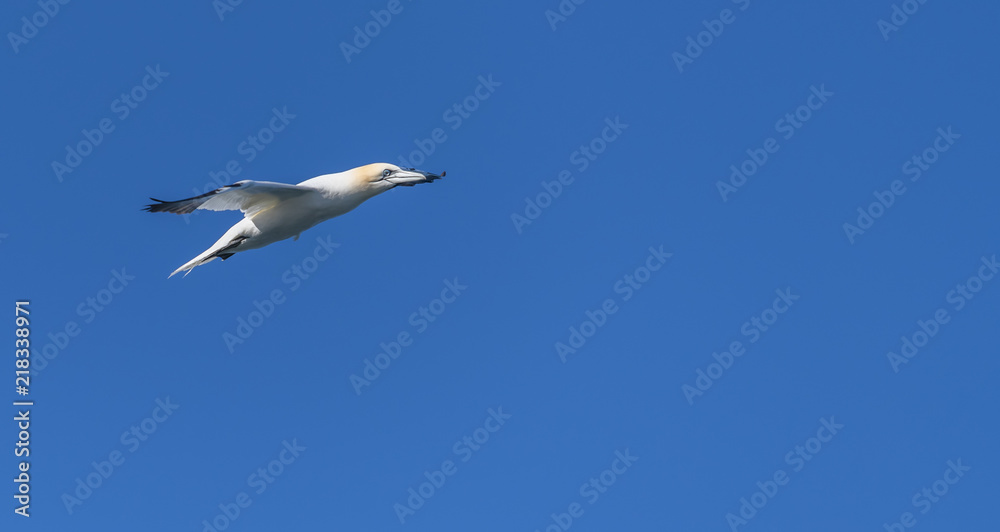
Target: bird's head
[{"x": 380, "y": 177}]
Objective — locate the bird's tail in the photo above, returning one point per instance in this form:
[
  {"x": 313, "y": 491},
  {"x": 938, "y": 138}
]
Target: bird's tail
[{"x": 223, "y": 249}]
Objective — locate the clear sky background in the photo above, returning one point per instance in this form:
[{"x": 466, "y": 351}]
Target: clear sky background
[{"x": 693, "y": 453}]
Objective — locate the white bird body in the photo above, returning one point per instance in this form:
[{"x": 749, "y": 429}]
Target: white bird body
[{"x": 278, "y": 211}]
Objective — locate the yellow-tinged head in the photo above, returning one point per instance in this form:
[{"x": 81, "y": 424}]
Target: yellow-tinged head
[{"x": 379, "y": 177}]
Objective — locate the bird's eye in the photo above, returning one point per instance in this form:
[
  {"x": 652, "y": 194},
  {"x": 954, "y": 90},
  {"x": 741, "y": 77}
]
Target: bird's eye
[{"x": 386, "y": 172}]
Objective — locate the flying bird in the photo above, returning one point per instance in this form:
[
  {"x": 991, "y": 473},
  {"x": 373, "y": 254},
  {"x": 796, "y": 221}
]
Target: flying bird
[{"x": 276, "y": 211}]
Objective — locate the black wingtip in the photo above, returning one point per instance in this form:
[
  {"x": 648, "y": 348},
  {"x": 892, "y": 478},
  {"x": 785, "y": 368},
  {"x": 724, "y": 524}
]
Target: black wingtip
[
  {"x": 185, "y": 206},
  {"x": 152, "y": 206}
]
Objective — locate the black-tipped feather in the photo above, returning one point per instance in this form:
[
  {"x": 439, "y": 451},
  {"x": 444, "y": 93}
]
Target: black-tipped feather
[{"x": 185, "y": 206}]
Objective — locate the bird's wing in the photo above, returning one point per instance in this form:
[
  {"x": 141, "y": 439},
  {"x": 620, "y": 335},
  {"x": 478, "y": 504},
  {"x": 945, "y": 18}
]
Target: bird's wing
[{"x": 250, "y": 197}]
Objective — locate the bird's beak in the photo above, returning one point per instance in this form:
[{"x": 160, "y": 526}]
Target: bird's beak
[{"x": 410, "y": 177}]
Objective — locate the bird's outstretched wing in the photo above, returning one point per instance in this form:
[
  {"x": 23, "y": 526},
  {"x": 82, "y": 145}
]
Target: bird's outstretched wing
[{"x": 250, "y": 197}]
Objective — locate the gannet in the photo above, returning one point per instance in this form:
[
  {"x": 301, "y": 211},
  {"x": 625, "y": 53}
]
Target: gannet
[{"x": 277, "y": 211}]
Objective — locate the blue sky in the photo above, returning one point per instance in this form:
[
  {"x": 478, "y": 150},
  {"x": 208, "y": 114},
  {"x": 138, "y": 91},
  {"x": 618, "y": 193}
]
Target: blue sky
[{"x": 592, "y": 323}]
